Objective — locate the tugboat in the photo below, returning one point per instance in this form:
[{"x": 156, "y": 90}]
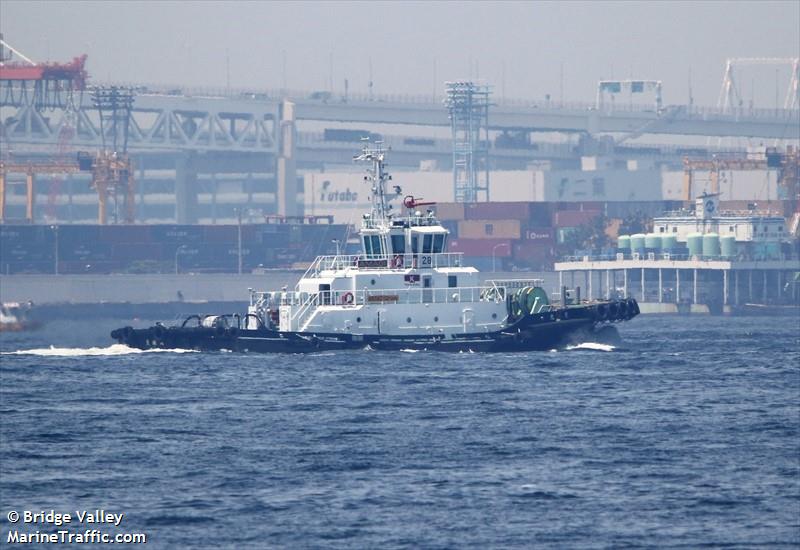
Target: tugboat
[{"x": 404, "y": 291}]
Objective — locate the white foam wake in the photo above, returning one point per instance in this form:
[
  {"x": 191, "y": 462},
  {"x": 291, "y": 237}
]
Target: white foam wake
[
  {"x": 114, "y": 349},
  {"x": 593, "y": 346}
]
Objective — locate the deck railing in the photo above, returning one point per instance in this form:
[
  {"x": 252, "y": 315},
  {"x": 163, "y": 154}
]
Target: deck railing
[
  {"x": 418, "y": 295},
  {"x": 384, "y": 261}
]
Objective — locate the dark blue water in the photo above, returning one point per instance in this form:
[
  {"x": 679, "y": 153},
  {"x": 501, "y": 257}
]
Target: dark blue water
[{"x": 688, "y": 435}]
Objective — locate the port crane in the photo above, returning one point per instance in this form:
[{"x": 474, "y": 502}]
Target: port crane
[{"x": 44, "y": 86}]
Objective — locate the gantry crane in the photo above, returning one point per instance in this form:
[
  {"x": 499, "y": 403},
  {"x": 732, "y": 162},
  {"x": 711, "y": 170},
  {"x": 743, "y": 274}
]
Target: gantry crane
[
  {"x": 111, "y": 173},
  {"x": 787, "y": 163}
]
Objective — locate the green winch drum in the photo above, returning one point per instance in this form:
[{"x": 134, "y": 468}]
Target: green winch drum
[{"x": 529, "y": 299}]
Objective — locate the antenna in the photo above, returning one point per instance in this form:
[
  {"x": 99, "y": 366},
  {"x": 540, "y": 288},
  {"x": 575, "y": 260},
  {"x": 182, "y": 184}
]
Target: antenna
[{"x": 377, "y": 176}]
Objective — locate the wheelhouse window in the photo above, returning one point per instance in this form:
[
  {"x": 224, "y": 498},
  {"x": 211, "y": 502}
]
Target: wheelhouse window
[
  {"x": 414, "y": 244},
  {"x": 438, "y": 243},
  {"x": 377, "y": 249},
  {"x": 399, "y": 244},
  {"x": 373, "y": 245},
  {"x": 427, "y": 244}
]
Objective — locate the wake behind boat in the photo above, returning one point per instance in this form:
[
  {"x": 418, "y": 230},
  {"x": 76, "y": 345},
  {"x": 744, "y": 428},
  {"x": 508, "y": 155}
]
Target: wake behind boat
[{"x": 404, "y": 291}]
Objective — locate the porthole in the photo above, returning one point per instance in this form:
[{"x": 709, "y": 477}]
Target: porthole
[
  {"x": 494, "y": 315},
  {"x": 372, "y": 281},
  {"x": 408, "y": 319},
  {"x": 436, "y": 319},
  {"x": 358, "y": 319}
]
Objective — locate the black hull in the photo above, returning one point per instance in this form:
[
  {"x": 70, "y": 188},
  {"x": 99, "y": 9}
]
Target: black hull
[{"x": 533, "y": 332}]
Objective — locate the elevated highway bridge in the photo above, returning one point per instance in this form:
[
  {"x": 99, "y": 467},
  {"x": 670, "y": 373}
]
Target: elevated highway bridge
[{"x": 208, "y": 121}]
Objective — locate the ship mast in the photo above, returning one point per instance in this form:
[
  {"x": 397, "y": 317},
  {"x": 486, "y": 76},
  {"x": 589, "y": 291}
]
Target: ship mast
[{"x": 377, "y": 176}]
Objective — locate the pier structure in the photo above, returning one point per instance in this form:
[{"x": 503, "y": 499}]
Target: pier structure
[{"x": 667, "y": 284}]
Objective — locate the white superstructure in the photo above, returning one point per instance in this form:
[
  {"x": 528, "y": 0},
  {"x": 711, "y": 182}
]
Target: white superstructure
[
  {"x": 403, "y": 283},
  {"x": 745, "y": 226}
]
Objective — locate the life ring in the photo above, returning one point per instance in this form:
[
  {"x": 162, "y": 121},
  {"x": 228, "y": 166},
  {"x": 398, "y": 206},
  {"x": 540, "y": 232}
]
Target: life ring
[
  {"x": 348, "y": 298},
  {"x": 397, "y": 261}
]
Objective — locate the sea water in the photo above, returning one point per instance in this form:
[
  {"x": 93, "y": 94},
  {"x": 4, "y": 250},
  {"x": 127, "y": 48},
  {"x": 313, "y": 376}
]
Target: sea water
[{"x": 686, "y": 434}]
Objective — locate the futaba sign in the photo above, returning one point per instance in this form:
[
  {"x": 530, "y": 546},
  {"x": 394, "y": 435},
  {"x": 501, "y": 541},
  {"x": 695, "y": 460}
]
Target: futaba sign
[{"x": 327, "y": 194}]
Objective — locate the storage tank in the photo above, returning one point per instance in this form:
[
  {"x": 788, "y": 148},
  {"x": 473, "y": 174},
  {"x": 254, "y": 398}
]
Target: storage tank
[
  {"x": 727, "y": 246},
  {"x": 652, "y": 241},
  {"x": 694, "y": 242},
  {"x": 711, "y": 245},
  {"x": 669, "y": 243},
  {"x": 624, "y": 242},
  {"x": 638, "y": 242}
]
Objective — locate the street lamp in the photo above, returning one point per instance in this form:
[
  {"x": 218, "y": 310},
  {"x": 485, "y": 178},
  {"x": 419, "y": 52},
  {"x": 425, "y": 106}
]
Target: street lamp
[
  {"x": 494, "y": 249},
  {"x": 239, "y": 239},
  {"x": 55, "y": 248},
  {"x": 178, "y": 252}
]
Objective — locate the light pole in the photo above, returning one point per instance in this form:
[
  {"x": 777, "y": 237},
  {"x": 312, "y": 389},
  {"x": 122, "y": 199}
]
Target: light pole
[
  {"x": 239, "y": 238},
  {"x": 337, "y": 242},
  {"x": 494, "y": 249},
  {"x": 178, "y": 252},
  {"x": 55, "y": 248}
]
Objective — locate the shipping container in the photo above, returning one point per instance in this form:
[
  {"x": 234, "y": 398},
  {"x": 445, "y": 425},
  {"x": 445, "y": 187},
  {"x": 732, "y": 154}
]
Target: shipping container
[
  {"x": 122, "y": 233},
  {"x": 500, "y": 248},
  {"x": 574, "y": 218},
  {"x": 89, "y": 252},
  {"x": 544, "y": 234},
  {"x": 533, "y": 249},
  {"x": 540, "y": 213},
  {"x": 497, "y": 211},
  {"x": 580, "y": 205},
  {"x": 221, "y": 233},
  {"x": 181, "y": 234},
  {"x": 137, "y": 251},
  {"x": 489, "y": 229},
  {"x": 532, "y": 255},
  {"x": 451, "y": 226},
  {"x": 450, "y": 211}
]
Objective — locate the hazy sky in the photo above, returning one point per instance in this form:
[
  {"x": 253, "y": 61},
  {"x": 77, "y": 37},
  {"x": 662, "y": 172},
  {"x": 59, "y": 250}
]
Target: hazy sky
[{"x": 519, "y": 47}]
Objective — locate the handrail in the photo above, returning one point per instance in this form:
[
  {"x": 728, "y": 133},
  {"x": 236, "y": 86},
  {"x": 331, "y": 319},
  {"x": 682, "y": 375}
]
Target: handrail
[
  {"x": 409, "y": 295},
  {"x": 383, "y": 261}
]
